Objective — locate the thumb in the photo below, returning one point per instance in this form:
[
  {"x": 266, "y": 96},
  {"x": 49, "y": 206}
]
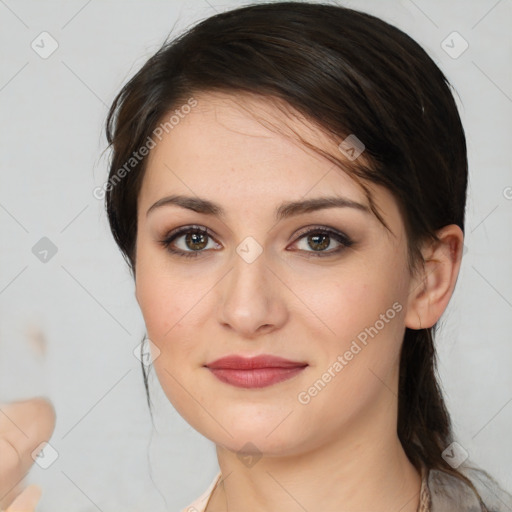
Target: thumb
[{"x": 27, "y": 500}]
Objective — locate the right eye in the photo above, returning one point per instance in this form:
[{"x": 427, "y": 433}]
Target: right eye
[{"x": 195, "y": 239}]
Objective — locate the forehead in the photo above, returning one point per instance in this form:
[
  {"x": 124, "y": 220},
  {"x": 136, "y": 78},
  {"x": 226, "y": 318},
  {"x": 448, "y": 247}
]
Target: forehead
[{"x": 230, "y": 140}]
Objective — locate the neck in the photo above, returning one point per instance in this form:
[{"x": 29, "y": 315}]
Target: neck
[{"x": 363, "y": 469}]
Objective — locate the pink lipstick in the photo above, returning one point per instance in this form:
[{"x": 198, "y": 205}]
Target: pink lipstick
[{"x": 254, "y": 372}]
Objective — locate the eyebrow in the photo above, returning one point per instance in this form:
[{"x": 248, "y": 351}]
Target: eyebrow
[{"x": 285, "y": 210}]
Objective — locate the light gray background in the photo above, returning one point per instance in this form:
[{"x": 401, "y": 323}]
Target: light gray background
[{"x": 68, "y": 326}]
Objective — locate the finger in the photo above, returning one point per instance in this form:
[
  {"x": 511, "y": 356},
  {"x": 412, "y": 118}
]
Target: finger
[
  {"x": 11, "y": 472},
  {"x": 24, "y": 425},
  {"x": 27, "y": 500},
  {"x": 30, "y": 418}
]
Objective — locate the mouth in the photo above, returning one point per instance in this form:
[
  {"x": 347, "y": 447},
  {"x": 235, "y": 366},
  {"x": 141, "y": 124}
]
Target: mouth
[{"x": 254, "y": 372}]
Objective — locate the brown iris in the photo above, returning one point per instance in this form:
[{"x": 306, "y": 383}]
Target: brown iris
[
  {"x": 320, "y": 245},
  {"x": 194, "y": 239}
]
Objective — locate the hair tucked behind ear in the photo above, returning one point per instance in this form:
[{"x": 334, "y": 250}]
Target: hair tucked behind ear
[{"x": 349, "y": 73}]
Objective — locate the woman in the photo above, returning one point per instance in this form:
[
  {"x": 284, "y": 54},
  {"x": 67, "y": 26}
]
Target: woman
[{"x": 288, "y": 186}]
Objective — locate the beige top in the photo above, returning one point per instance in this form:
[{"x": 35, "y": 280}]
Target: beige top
[
  {"x": 200, "y": 504},
  {"x": 439, "y": 492}
]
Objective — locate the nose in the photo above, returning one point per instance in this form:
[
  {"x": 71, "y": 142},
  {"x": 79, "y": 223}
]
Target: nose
[{"x": 252, "y": 298}]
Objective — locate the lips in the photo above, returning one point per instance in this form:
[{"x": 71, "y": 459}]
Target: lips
[{"x": 255, "y": 372}]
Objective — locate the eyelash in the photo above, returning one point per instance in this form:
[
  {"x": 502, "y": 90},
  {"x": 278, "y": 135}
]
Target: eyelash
[{"x": 341, "y": 238}]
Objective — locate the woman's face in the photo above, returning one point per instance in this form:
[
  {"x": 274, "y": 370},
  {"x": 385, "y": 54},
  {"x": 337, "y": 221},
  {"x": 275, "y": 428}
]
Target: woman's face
[{"x": 258, "y": 283}]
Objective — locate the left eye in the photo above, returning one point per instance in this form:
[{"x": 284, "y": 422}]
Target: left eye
[
  {"x": 320, "y": 238},
  {"x": 196, "y": 241}
]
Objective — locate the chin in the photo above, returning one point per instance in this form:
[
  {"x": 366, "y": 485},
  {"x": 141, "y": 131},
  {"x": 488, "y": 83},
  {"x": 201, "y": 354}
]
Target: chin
[
  {"x": 258, "y": 444},
  {"x": 273, "y": 437}
]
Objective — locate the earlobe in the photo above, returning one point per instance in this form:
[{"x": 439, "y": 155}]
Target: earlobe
[{"x": 431, "y": 290}]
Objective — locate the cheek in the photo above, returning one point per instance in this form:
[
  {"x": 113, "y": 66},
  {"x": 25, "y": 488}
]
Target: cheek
[
  {"x": 363, "y": 308},
  {"x": 348, "y": 300},
  {"x": 161, "y": 296},
  {"x": 174, "y": 304},
  {"x": 167, "y": 306}
]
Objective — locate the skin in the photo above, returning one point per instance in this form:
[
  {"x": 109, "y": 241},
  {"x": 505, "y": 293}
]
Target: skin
[
  {"x": 24, "y": 425},
  {"x": 341, "y": 448}
]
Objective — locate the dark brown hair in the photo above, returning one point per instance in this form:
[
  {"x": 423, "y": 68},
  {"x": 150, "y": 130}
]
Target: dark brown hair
[{"x": 349, "y": 73}]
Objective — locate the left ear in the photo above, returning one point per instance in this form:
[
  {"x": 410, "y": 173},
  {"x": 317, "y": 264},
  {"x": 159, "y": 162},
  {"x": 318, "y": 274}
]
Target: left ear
[{"x": 431, "y": 290}]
